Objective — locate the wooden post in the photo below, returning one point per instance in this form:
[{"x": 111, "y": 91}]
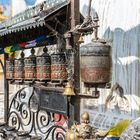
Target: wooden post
[
  {"x": 75, "y": 20},
  {"x": 6, "y": 93},
  {"x": 75, "y": 13}
]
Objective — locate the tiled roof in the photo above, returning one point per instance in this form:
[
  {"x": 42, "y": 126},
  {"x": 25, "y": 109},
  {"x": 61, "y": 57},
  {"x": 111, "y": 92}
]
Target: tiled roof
[{"x": 31, "y": 18}]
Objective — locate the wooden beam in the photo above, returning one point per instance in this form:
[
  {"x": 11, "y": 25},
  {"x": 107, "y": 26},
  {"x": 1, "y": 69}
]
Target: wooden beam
[
  {"x": 75, "y": 13},
  {"x": 75, "y": 20},
  {"x": 6, "y": 94}
]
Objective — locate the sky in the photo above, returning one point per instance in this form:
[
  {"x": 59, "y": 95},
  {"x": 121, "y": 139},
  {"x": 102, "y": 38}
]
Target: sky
[
  {"x": 14, "y": 6},
  {"x": 6, "y": 6},
  {"x": 5, "y": 2},
  {"x": 17, "y": 8}
]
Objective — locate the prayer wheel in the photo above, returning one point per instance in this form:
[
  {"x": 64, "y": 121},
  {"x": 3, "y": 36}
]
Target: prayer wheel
[
  {"x": 95, "y": 62},
  {"x": 30, "y": 66},
  {"x": 9, "y": 69},
  {"x": 58, "y": 67},
  {"x": 44, "y": 66},
  {"x": 19, "y": 68}
]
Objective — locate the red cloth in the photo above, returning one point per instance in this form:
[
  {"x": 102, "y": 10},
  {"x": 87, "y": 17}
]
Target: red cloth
[
  {"x": 62, "y": 122},
  {"x": 23, "y": 44}
]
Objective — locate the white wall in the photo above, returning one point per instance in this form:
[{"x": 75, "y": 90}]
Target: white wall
[{"x": 120, "y": 23}]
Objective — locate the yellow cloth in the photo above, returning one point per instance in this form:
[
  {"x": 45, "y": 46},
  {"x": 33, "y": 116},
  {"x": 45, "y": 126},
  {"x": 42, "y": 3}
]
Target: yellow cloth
[
  {"x": 12, "y": 55},
  {"x": 117, "y": 130},
  {"x": 7, "y": 49}
]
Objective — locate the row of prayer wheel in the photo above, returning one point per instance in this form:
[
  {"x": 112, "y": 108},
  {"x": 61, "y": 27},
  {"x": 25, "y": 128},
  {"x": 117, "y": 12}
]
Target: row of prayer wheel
[{"x": 42, "y": 68}]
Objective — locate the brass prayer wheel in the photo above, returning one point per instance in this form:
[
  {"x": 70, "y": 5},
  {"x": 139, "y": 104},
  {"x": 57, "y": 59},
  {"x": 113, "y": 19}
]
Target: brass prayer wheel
[
  {"x": 9, "y": 69},
  {"x": 30, "y": 66},
  {"x": 58, "y": 67},
  {"x": 44, "y": 66},
  {"x": 95, "y": 62},
  {"x": 19, "y": 68}
]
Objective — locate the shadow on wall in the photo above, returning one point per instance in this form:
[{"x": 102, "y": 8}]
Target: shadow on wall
[{"x": 125, "y": 60}]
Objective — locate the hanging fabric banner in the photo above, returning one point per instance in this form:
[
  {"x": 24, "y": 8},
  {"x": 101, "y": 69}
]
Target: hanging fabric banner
[
  {"x": 12, "y": 55},
  {"x": 1, "y": 50},
  {"x": 7, "y": 49},
  {"x": 30, "y": 44},
  {"x": 15, "y": 47},
  {"x": 23, "y": 44},
  {"x": 40, "y": 38}
]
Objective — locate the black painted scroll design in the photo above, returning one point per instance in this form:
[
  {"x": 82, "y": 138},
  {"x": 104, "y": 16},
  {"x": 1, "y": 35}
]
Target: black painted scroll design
[{"x": 26, "y": 115}]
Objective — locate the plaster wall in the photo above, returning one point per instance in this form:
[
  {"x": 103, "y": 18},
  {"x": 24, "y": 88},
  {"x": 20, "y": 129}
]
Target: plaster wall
[{"x": 120, "y": 25}]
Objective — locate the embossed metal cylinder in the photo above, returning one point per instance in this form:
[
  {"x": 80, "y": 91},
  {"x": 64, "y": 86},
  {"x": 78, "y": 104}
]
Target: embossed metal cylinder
[
  {"x": 19, "y": 68},
  {"x": 43, "y": 64},
  {"x": 9, "y": 69},
  {"x": 95, "y": 62},
  {"x": 30, "y": 66},
  {"x": 58, "y": 67}
]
